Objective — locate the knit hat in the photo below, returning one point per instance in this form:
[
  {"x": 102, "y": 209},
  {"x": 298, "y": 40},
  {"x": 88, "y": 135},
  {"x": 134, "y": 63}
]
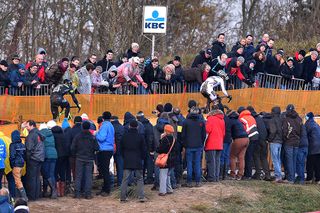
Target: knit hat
[
  {"x": 310, "y": 115},
  {"x": 159, "y": 108},
  {"x": 168, "y": 129},
  {"x": 77, "y": 119},
  {"x": 177, "y": 58},
  {"x": 4, "y": 63},
  {"x": 176, "y": 111},
  {"x": 106, "y": 115},
  {"x": 302, "y": 52},
  {"x": 192, "y": 103},
  {"x": 240, "y": 59},
  {"x": 51, "y": 124},
  {"x": 209, "y": 51},
  {"x": 133, "y": 124},
  {"x": 290, "y": 59},
  {"x": 280, "y": 52},
  {"x": 314, "y": 53},
  {"x": 43, "y": 126},
  {"x": 290, "y": 108},
  {"x": 65, "y": 124},
  {"x": 15, "y": 56},
  {"x": 86, "y": 125},
  {"x": 15, "y": 136},
  {"x": 84, "y": 116},
  {"x": 99, "y": 68},
  {"x": 140, "y": 114},
  {"x": 240, "y": 109},
  {"x": 167, "y": 107}
]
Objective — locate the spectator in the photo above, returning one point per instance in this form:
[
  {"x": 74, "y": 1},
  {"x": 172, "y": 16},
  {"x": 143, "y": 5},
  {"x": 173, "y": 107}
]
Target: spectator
[
  {"x": 15, "y": 64},
  {"x": 17, "y": 159},
  {"x": 167, "y": 144},
  {"x": 237, "y": 52},
  {"x": 128, "y": 71},
  {"x": 83, "y": 147},
  {"x": 272, "y": 65},
  {"x": 56, "y": 71},
  {"x": 92, "y": 60},
  {"x": 204, "y": 56},
  {"x": 132, "y": 148},
  {"x": 105, "y": 138},
  {"x": 265, "y": 38},
  {"x": 218, "y": 46},
  {"x": 71, "y": 75},
  {"x": 3, "y": 155},
  {"x": 233, "y": 68},
  {"x": 122, "y": 59},
  {"x": 249, "y": 72},
  {"x": 193, "y": 136},
  {"x": 261, "y": 47},
  {"x": 260, "y": 59},
  {"x": 215, "y": 128},
  {"x": 218, "y": 65},
  {"x": 150, "y": 73},
  {"x": 111, "y": 77},
  {"x": 250, "y": 125},
  {"x": 291, "y": 130},
  {"x": 310, "y": 66},
  {"x": 318, "y": 48},
  {"x": 43, "y": 52},
  {"x": 75, "y": 60},
  {"x": 133, "y": 51},
  {"x": 269, "y": 47},
  {"x": 238, "y": 146},
  {"x": 249, "y": 48},
  {"x": 5, "y": 205},
  {"x": 35, "y": 152},
  {"x": 313, "y": 132},
  {"x": 106, "y": 62},
  {"x": 85, "y": 83},
  {"x": 4, "y": 74},
  {"x": 287, "y": 72},
  {"x": 241, "y": 42},
  {"x": 32, "y": 79},
  {"x": 298, "y": 63},
  {"x": 167, "y": 76},
  {"x": 195, "y": 75},
  {"x": 42, "y": 66},
  {"x": 97, "y": 80},
  {"x": 177, "y": 67},
  {"x": 225, "y": 155},
  {"x": 302, "y": 156},
  {"x": 18, "y": 81}
]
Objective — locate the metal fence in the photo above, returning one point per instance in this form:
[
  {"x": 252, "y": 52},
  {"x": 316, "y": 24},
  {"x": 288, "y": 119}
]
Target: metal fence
[{"x": 262, "y": 80}]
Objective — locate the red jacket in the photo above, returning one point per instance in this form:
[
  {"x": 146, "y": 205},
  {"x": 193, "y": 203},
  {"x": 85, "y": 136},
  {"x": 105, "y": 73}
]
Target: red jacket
[
  {"x": 233, "y": 69},
  {"x": 215, "y": 128}
]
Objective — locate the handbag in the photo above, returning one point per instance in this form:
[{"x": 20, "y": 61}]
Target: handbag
[{"x": 162, "y": 159}]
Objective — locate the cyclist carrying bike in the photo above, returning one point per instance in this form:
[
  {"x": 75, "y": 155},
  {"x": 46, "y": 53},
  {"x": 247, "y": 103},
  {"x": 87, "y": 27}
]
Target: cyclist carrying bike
[{"x": 57, "y": 100}]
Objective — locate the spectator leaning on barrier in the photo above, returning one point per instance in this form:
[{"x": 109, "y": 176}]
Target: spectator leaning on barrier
[
  {"x": 18, "y": 81},
  {"x": 56, "y": 71},
  {"x": 177, "y": 67},
  {"x": 42, "y": 66},
  {"x": 71, "y": 75},
  {"x": 32, "y": 78},
  {"x": 298, "y": 63},
  {"x": 167, "y": 76},
  {"x": 310, "y": 66},
  {"x": 150, "y": 73},
  {"x": 15, "y": 63},
  {"x": 85, "y": 83},
  {"x": 272, "y": 65}
]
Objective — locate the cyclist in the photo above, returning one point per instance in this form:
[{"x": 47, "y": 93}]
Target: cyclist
[{"x": 57, "y": 100}]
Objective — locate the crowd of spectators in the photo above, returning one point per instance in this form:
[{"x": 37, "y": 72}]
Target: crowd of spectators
[{"x": 241, "y": 64}]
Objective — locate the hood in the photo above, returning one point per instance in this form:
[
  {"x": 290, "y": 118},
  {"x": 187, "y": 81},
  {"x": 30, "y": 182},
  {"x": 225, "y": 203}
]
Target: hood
[
  {"x": 215, "y": 112},
  {"x": 15, "y": 137},
  {"x": 267, "y": 116},
  {"x": 46, "y": 132},
  {"x": 245, "y": 112},
  {"x": 56, "y": 129},
  {"x": 276, "y": 110},
  {"x": 65, "y": 123},
  {"x": 128, "y": 117},
  {"x": 220, "y": 62},
  {"x": 292, "y": 114},
  {"x": 233, "y": 114},
  {"x": 40, "y": 50},
  {"x": 144, "y": 120},
  {"x": 193, "y": 116}
]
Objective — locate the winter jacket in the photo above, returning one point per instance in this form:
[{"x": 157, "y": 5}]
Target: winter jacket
[
  {"x": 260, "y": 65},
  {"x": 248, "y": 52},
  {"x": 32, "y": 77},
  {"x": 49, "y": 144},
  {"x": 304, "y": 138},
  {"x": 3, "y": 154},
  {"x": 150, "y": 74},
  {"x": 14, "y": 67},
  {"x": 84, "y": 146},
  {"x": 249, "y": 124},
  {"x": 17, "y": 154},
  {"x": 215, "y": 128},
  {"x": 193, "y": 132},
  {"x": 34, "y": 146},
  {"x": 216, "y": 65},
  {"x": 128, "y": 117},
  {"x": 118, "y": 133},
  {"x": 313, "y": 132},
  {"x": 263, "y": 134},
  {"x": 200, "y": 59},
  {"x": 70, "y": 134},
  {"x": 272, "y": 66},
  {"x": 275, "y": 127},
  {"x": 237, "y": 129},
  {"x": 218, "y": 48},
  {"x": 227, "y": 136},
  {"x": 126, "y": 73},
  {"x": 131, "y": 54},
  {"x": 286, "y": 72},
  {"x": 55, "y": 73},
  {"x": 4, "y": 78},
  {"x": 164, "y": 147},
  {"x": 132, "y": 149},
  {"x": 178, "y": 70},
  {"x": 161, "y": 78},
  {"x": 60, "y": 141},
  {"x": 41, "y": 70},
  {"x": 298, "y": 68},
  {"x": 291, "y": 129},
  {"x": 16, "y": 77},
  {"x": 148, "y": 133},
  {"x": 105, "y": 136},
  {"x": 5, "y": 206},
  {"x": 232, "y": 69},
  {"x": 309, "y": 69},
  {"x": 105, "y": 64},
  {"x": 7, "y": 141}
]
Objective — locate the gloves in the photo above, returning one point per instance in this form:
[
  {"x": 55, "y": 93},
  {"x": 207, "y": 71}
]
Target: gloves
[{"x": 230, "y": 98}]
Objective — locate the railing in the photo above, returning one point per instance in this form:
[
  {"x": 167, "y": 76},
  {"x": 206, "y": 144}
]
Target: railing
[{"x": 262, "y": 80}]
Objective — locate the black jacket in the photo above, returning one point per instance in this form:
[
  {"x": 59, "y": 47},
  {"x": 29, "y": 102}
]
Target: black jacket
[
  {"x": 60, "y": 141},
  {"x": 237, "y": 129},
  {"x": 148, "y": 133},
  {"x": 84, "y": 146},
  {"x": 200, "y": 59},
  {"x": 118, "y": 132},
  {"x": 274, "y": 126},
  {"x": 132, "y": 149},
  {"x": 161, "y": 78},
  {"x": 261, "y": 126},
  {"x": 150, "y": 74},
  {"x": 217, "y": 49},
  {"x": 17, "y": 154},
  {"x": 35, "y": 146},
  {"x": 227, "y": 136},
  {"x": 272, "y": 66},
  {"x": 309, "y": 68},
  {"x": 131, "y": 54},
  {"x": 298, "y": 68},
  {"x": 291, "y": 128},
  {"x": 164, "y": 147},
  {"x": 193, "y": 132},
  {"x": 313, "y": 131},
  {"x": 286, "y": 72},
  {"x": 105, "y": 64},
  {"x": 216, "y": 66},
  {"x": 4, "y": 78}
]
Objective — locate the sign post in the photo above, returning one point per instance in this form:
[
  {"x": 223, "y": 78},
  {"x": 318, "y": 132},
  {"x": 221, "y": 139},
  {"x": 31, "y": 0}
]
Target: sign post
[{"x": 154, "y": 21}]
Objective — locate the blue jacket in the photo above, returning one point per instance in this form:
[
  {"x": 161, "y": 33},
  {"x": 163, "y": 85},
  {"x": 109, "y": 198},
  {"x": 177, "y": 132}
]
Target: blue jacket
[
  {"x": 105, "y": 137},
  {"x": 17, "y": 153},
  {"x": 5, "y": 206},
  {"x": 3, "y": 154}
]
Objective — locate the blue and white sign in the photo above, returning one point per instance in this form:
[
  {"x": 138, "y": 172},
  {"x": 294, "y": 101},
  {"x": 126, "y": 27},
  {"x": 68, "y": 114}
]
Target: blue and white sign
[{"x": 154, "y": 19}]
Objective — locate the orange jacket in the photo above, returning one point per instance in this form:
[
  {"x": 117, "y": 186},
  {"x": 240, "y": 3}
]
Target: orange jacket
[{"x": 249, "y": 124}]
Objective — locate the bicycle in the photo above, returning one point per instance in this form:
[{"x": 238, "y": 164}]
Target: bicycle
[
  {"x": 70, "y": 117},
  {"x": 216, "y": 102}
]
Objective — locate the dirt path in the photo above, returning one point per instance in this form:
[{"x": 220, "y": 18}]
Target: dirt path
[{"x": 182, "y": 200}]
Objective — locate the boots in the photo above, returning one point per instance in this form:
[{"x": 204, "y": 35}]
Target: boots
[
  {"x": 58, "y": 188},
  {"x": 62, "y": 188},
  {"x": 23, "y": 194},
  {"x": 52, "y": 185},
  {"x": 45, "y": 192}
]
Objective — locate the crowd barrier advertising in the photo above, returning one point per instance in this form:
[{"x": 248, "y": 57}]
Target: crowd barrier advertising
[{"x": 38, "y": 107}]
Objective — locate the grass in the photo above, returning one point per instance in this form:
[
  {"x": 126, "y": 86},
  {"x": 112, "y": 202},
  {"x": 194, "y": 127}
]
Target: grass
[{"x": 268, "y": 197}]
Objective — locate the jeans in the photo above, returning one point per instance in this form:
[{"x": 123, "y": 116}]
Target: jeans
[
  {"x": 104, "y": 162},
  {"x": 11, "y": 184},
  {"x": 83, "y": 176},
  {"x": 213, "y": 164},
  {"x": 61, "y": 168},
  {"x": 291, "y": 161},
  {"x": 48, "y": 169},
  {"x": 249, "y": 159},
  {"x": 148, "y": 165},
  {"x": 33, "y": 179},
  {"x": 193, "y": 156},
  {"x": 127, "y": 174},
  {"x": 301, "y": 162},
  {"x": 165, "y": 180},
  {"x": 225, "y": 155},
  {"x": 119, "y": 165},
  {"x": 156, "y": 172},
  {"x": 275, "y": 149}
]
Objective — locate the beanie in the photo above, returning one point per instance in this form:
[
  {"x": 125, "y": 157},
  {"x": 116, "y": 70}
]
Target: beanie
[
  {"x": 290, "y": 107},
  {"x": 77, "y": 119},
  {"x": 159, "y": 108},
  {"x": 302, "y": 52},
  {"x": 168, "y": 129},
  {"x": 240, "y": 109},
  {"x": 86, "y": 125},
  {"x": 167, "y": 107},
  {"x": 133, "y": 124},
  {"x": 192, "y": 103},
  {"x": 4, "y": 63},
  {"x": 240, "y": 59},
  {"x": 106, "y": 115},
  {"x": 65, "y": 124},
  {"x": 15, "y": 136}
]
